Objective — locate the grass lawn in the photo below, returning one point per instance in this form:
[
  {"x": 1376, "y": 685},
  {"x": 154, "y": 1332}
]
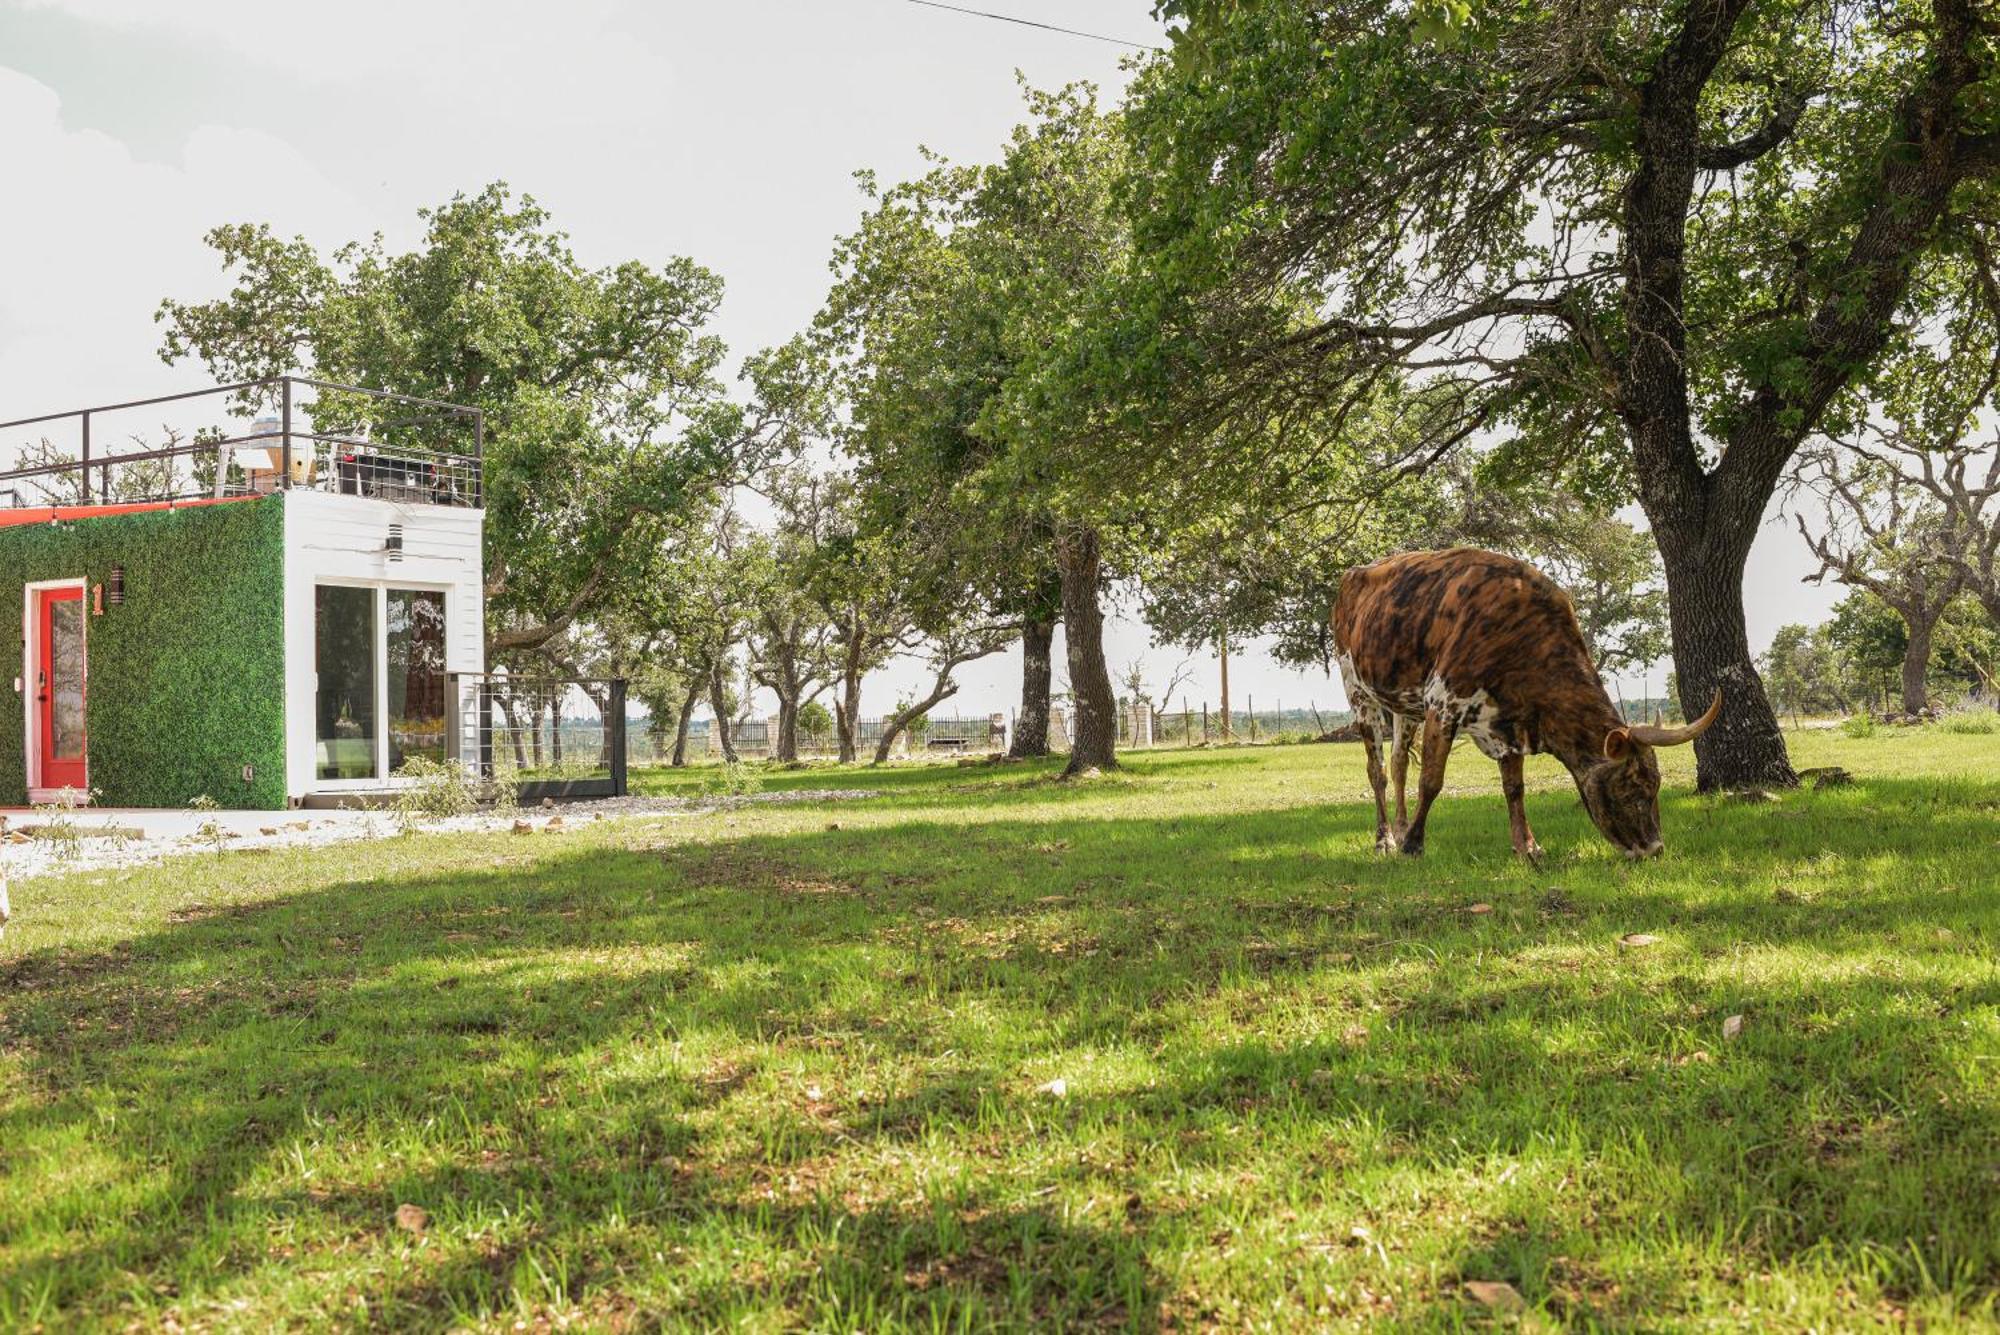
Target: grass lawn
[{"x": 793, "y": 1066}]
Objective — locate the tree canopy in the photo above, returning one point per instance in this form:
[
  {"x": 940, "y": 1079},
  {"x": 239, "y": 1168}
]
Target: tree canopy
[
  {"x": 1652, "y": 242},
  {"x": 602, "y": 390}
]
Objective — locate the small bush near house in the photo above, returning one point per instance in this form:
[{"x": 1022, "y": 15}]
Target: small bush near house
[
  {"x": 438, "y": 790},
  {"x": 210, "y": 831},
  {"x": 56, "y": 823},
  {"x": 733, "y": 779},
  {"x": 1859, "y": 725}
]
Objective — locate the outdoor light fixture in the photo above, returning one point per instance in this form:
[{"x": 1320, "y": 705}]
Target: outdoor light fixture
[
  {"x": 394, "y": 546},
  {"x": 114, "y": 588}
]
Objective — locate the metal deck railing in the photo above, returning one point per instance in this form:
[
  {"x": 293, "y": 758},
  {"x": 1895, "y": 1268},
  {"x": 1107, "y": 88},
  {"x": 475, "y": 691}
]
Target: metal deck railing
[{"x": 302, "y": 434}]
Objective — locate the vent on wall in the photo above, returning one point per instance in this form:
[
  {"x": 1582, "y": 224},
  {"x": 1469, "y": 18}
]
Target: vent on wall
[{"x": 393, "y": 548}]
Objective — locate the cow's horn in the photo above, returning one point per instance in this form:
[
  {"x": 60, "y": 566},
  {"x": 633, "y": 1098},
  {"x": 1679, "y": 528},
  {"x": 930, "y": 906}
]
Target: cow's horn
[{"x": 1653, "y": 736}]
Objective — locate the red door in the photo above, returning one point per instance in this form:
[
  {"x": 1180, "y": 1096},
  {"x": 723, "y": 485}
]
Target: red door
[{"x": 59, "y": 687}]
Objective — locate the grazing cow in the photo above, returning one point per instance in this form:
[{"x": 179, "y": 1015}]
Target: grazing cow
[{"x": 1473, "y": 641}]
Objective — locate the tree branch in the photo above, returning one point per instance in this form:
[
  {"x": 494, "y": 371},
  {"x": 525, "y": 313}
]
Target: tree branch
[{"x": 1742, "y": 152}]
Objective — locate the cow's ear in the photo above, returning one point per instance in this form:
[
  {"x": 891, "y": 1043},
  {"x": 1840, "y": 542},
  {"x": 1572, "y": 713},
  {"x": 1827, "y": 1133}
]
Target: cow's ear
[{"x": 1618, "y": 743}]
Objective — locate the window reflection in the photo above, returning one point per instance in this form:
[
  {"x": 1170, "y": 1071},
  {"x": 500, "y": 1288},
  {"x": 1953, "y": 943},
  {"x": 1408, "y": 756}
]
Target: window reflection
[
  {"x": 344, "y": 654},
  {"x": 416, "y": 676}
]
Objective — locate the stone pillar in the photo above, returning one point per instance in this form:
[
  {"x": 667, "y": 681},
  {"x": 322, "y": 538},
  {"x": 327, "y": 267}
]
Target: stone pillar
[{"x": 1142, "y": 723}]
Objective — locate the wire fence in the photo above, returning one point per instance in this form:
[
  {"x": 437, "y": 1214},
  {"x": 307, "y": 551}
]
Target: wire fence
[
  {"x": 1139, "y": 726},
  {"x": 757, "y": 739},
  {"x": 544, "y": 737}
]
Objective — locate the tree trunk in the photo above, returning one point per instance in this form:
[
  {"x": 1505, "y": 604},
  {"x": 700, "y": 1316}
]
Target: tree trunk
[
  {"x": 1094, "y": 734},
  {"x": 847, "y": 710},
  {"x": 510, "y": 712},
  {"x": 785, "y": 746},
  {"x": 1916, "y": 666},
  {"x": 1712, "y": 650},
  {"x": 719, "y": 704},
  {"x": 893, "y": 726},
  {"x": 1222, "y": 646},
  {"x": 1031, "y": 726},
  {"x": 681, "y": 725}
]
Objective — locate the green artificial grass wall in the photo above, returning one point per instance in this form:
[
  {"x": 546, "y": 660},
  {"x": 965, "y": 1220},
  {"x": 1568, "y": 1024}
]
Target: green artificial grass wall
[{"x": 187, "y": 677}]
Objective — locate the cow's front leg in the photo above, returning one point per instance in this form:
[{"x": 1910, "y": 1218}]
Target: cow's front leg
[
  {"x": 1517, "y": 809},
  {"x": 1438, "y": 734},
  {"x": 1371, "y": 741}
]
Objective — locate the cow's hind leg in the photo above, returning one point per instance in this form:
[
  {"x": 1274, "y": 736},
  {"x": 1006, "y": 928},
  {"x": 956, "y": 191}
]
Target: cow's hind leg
[
  {"x": 1371, "y": 741},
  {"x": 1438, "y": 735},
  {"x": 1403, "y": 736},
  {"x": 1517, "y": 809}
]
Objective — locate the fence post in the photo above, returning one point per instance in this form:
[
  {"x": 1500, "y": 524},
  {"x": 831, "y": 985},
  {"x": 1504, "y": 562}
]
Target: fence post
[
  {"x": 1250, "y": 703},
  {"x": 83, "y": 473},
  {"x": 617, "y": 725},
  {"x": 1204, "y": 723},
  {"x": 285, "y": 426},
  {"x": 486, "y": 728},
  {"x": 454, "y": 733}
]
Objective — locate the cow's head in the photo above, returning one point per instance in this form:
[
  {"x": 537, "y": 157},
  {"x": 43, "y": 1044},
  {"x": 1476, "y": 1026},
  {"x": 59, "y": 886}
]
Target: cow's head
[{"x": 1622, "y": 793}]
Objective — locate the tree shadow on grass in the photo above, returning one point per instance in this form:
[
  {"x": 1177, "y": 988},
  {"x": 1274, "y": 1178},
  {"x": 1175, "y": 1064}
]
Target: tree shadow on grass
[{"x": 505, "y": 1038}]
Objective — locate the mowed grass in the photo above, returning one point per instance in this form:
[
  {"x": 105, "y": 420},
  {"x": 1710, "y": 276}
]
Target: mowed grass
[{"x": 793, "y": 1067}]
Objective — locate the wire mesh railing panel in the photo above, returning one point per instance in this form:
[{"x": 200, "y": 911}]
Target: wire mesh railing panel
[{"x": 544, "y": 733}]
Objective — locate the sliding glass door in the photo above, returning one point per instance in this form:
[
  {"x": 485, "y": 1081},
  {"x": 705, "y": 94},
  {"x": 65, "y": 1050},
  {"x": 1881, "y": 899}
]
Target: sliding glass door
[
  {"x": 382, "y": 691},
  {"x": 346, "y": 738},
  {"x": 416, "y": 676}
]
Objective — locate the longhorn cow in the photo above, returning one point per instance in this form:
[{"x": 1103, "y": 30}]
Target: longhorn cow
[{"x": 1475, "y": 642}]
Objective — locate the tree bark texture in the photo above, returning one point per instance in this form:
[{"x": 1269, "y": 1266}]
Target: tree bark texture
[
  {"x": 1711, "y": 645},
  {"x": 1031, "y": 725},
  {"x": 786, "y": 745},
  {"x": 681, "y": 726},
  {"x": 720, "y": 704},
  {"x": 847, "y": 705},
  {"x": 1094, "y": 730},
  {"x": 1916, "y": 667}
]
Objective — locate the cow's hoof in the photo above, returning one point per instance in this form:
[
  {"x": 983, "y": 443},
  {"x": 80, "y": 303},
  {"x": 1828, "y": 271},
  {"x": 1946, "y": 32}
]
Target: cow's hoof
[
  {"x": 1386, "y": 842},
  {"x": 1532, "y": 855},
  {"x": 1413, "y": 848}
]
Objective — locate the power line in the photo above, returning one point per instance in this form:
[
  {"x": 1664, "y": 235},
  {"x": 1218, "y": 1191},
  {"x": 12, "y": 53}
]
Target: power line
[{"x": 1030, "y": 23}]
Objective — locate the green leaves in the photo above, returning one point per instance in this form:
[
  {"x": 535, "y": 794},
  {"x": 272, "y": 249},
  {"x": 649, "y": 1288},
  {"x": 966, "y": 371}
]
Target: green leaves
[{"x": 605, "y": 412}]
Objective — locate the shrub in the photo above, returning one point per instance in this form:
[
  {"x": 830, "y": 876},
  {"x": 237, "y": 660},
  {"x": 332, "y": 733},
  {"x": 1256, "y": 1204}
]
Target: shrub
[
  {"x": 1859, "y": 725},
  {"x": 56, "y": 822},
  {"x": 437, "y": 790},
  {"x": 210, "y": 831},
  {"x": 732, "y": 778}
]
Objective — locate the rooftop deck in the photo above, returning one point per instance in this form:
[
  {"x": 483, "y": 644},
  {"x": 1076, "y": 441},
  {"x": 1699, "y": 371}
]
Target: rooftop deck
[{"x": 254, "y": 438}]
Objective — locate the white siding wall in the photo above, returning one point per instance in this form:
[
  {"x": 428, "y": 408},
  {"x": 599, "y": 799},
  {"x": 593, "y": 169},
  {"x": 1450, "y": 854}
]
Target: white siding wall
[{"x": 340, "y": 539}]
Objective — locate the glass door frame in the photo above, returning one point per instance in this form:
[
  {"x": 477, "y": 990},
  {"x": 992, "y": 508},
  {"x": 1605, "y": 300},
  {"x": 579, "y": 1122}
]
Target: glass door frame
[{"x": 380, "y": 587}]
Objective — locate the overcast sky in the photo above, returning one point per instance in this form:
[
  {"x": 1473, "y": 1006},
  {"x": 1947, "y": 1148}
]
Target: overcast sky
[{"x": 728, "y": 132}]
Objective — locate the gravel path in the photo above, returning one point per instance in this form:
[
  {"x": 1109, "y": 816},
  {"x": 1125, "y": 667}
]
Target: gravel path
[{"x": 124, "y": 838}]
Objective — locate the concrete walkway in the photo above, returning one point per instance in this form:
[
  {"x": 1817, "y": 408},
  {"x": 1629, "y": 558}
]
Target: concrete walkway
[{"x": 35, "y": 842}]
